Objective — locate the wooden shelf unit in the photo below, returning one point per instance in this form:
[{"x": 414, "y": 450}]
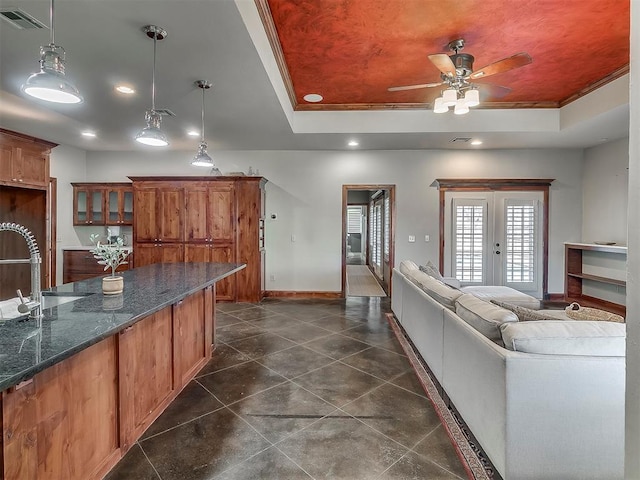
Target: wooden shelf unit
[{"x": 574, "y": 276}]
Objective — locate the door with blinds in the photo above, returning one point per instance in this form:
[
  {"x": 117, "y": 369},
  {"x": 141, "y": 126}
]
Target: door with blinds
[{"x": 495, "y": 238}]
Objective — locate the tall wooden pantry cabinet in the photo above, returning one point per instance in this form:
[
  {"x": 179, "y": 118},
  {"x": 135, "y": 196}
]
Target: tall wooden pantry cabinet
[{"x": 203, "y": 219}]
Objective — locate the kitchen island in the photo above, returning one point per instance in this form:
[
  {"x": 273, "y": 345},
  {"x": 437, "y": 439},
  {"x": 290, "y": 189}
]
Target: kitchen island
[{"x": 80, "y": 386}]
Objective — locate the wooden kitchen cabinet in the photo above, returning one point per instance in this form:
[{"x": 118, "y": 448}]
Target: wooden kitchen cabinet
[
  {"x": 119, "y": 206},
  {"x": 102, "y": 204},
  {"x": 158, "y": 214},
  {"x": 64, "y": 423},
  {"x": 24, "y": 161},
  {"x": 145, "y": 372},
  {"x": 89, "y": 204},
  {"x": 148, "y": 253},
  {"x": 217, "y": 219},
  {"x": 190, "y": 346},
  {"x": 223, "y": 253},
  {"x": 81, "y": 264},
  {"x": 209, "y": 212}
]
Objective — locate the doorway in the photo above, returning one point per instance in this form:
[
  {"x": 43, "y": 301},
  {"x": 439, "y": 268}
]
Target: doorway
[
  {"x": 368, "y": 223},
  {"x": 495, "y": 232}
]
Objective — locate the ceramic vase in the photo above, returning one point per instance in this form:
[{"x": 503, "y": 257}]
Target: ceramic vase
[{"x": 112, "y": 285}]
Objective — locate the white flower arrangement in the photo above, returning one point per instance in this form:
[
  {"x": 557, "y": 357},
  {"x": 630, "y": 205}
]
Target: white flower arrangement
[{"x": 111, "y": 254}]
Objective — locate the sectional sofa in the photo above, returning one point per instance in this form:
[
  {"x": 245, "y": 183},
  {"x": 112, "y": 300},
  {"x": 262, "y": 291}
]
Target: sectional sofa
[{"x": 548, "y": 406}]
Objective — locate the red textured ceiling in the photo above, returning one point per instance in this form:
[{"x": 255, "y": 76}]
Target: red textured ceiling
[{"x": 351, "y": 51}]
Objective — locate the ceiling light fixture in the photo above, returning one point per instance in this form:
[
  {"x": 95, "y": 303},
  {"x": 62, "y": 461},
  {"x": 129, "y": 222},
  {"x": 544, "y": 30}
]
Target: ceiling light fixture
[
  {"x": 202, "y": 158},
  {"x": 151, "y": 134},
  {"x": 50, "y": 83},
  {"x": 124, "y": 89},
  {"x": 193, "y": 133},
  {"x": 89, "y": 134},
  {"x": 476, "y": 142},
  {"x": 313, "y": 97},
  {"x": 353, "y": 143}
]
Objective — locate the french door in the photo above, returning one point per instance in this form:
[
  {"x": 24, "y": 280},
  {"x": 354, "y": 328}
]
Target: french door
[{"x": 495, "y": 238}]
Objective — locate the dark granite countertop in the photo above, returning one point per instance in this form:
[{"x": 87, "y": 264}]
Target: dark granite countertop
[{"x": 71, "y": 327}]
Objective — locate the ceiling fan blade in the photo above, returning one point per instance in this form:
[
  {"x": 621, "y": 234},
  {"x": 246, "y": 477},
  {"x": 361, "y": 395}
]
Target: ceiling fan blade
[
  {"x": 414, "y": 87},
  {"x": 504, "y": 65},
  {"x": 489, "y": 90},
  {"x": 444, "y": 63}
]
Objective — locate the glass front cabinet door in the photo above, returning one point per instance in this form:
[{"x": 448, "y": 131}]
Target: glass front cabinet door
[{"x": 88, "y": 205}]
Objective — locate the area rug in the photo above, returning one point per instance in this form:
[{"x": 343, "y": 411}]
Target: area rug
[
  {"x": 474, "y": 462},
  {"x": 362, "y": 283}
]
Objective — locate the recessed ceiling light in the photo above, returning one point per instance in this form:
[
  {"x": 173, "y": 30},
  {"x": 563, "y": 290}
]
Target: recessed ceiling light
[
  {"x": 125, "y": 89},
  {"x": 193, "y": 133},
  {"x": 88, "y": 134},
  {"x": 313, "y": 97},
  {"x": 353, "y": 143},
  {"x": 476, "y": 142}
]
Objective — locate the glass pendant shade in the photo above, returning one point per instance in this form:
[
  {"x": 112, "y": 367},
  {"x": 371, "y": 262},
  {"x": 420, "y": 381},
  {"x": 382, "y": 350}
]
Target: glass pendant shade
[
  {"x": 152, "y": 135},
  {"x": 50, "y": 83},
  {"x": 461, "y": 107},
  {"x": 472, "y": 98},
  {"x": 439, "y": 106},
  {"x": 449, "y": 97}
]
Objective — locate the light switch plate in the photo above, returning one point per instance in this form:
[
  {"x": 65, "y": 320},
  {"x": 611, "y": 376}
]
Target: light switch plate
[{"x": 426, "y": 238}]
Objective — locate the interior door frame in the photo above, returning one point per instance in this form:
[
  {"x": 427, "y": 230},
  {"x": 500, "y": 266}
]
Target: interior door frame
[
  {"x": 499, "y": 185},
  {"x": 392, "y": 227}
]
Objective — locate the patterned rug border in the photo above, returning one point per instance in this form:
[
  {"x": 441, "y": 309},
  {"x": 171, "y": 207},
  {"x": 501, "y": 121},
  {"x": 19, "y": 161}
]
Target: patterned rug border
[{"x": 472, "y": 463}]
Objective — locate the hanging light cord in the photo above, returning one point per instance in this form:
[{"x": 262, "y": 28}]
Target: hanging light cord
[
  {"x": 202, "y": 131},
  {"x": 53, "y": 38},
  {"x": 153, "y": 75}
]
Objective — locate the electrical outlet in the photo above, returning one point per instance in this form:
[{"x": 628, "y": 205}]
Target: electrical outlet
[
  {"x": 412, "y": 238},
  {"x": 426, "y": 238},
  {"x": 272, "y": 278},
  {"x": 293, "y": 238}
]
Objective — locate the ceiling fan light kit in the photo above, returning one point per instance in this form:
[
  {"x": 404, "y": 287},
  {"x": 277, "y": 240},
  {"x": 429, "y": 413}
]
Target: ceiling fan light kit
[
  {"x": 152, "y": 134},
  {"x": 456, "y": 73},
  {"x": 50, "y": 83}
]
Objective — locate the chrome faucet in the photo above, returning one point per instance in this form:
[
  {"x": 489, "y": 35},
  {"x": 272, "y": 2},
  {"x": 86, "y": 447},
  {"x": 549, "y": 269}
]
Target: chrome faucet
[{"x": 33, "y": 306}]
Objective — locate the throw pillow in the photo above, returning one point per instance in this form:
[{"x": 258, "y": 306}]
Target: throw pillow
[
  {"x": 432, "y": 270},
  {"x": 524, "y": 314}
]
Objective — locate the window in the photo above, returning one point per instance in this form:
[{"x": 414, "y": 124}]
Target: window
[
  {"x": 387, "y": 217},
  {"x": 354, "y": 219},
  {"x": 469, "y": 241},
  {"x": 520, "y": 243}
]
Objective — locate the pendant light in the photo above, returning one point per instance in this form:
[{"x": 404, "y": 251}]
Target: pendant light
[
  {"x": 202, "y": 158},
  {"x": 151, "y": 134},
  {"x": 50, "y": 83}
]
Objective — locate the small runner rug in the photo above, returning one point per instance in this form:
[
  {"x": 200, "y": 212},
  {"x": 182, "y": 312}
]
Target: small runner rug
[
  {"x": 477, "y": 466},
  {"x": 362, "y": 283}
]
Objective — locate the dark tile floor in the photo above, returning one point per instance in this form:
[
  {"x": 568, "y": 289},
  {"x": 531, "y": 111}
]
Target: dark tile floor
[{"x": 299, "y": 390}]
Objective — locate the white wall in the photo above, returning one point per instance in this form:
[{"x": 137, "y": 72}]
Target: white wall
[
  {"x": 605, "y": 192},
  {"x": 305, "y": 190},
  {"x": 632, "y": 402},
  {"x": 68, "y": 164}
]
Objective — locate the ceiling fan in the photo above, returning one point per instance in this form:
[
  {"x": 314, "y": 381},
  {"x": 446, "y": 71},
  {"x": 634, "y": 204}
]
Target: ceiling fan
[{"x": 457, "y": 74}]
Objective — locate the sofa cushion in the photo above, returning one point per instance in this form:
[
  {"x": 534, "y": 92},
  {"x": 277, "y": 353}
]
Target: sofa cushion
[
  {"x": 503, "y": 294},
  {"x": 524, "y": 314},
  {"x": 440, "y": 292},
  {"x": 605, "y": 339},
  {"x": 484, "y": 316},
  {"x": 406, "y": 266}
]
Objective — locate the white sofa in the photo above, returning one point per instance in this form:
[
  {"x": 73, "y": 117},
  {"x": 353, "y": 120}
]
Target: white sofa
[{"x": 536, "y": 416}]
